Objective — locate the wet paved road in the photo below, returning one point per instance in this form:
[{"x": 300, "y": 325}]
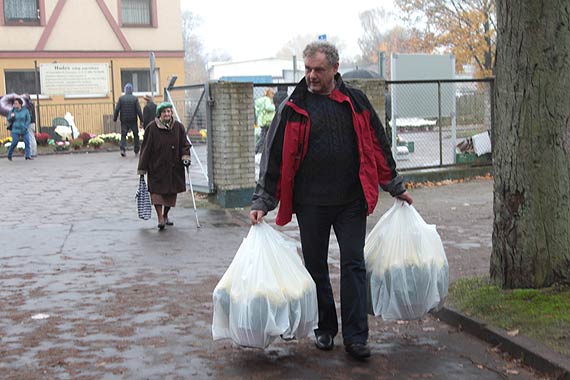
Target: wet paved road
[{"x": 127, "y": 302}]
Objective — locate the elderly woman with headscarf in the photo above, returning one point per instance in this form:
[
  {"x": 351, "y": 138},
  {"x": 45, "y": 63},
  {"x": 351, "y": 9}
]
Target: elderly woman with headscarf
[{"x": 165, "y": 152}]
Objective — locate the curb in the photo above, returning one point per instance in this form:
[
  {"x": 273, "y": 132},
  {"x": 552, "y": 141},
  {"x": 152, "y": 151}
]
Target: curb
[{"x": 531, "y": 353}]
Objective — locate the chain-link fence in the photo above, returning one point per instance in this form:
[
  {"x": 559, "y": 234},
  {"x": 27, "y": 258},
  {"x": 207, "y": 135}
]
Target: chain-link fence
[
  {"x": 439, "y": 123},
  {"x": 429, "y": 123},
  {"x": 436, "y": 123}
]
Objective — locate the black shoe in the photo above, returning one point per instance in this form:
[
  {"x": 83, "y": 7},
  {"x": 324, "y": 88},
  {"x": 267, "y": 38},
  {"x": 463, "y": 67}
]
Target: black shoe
[
  {"x": 9, "y": 158},
  {"x": 160, "y": 226},
  {"x": 357, "y": 350},
  {"x": 123, "y": 153},
  {"x": 168, "y": 222},
  {"x": 324, "y": 342},
  {"x": 29, "y": 158}
]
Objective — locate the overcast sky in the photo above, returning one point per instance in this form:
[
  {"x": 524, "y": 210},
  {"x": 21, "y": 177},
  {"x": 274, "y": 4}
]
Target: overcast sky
[{"x": 251, "y": 29}]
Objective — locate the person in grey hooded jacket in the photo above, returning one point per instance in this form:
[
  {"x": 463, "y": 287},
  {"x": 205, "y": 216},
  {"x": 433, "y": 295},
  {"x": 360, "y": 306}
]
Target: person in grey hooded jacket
[{"x": 129, "y": 109}]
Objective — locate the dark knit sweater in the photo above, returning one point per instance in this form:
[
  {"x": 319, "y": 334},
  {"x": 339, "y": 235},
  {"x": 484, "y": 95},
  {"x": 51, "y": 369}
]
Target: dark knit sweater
[{"x": 328, "y": 174}]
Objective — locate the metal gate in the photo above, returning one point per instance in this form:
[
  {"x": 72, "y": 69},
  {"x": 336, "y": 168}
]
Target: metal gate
[{"x": 192, "y": 108}]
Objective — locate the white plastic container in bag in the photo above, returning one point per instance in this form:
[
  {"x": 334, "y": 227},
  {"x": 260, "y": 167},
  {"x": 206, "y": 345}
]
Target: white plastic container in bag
[
  {"x": 266, "y": 292},
  {"x": 406, "y": 267}
]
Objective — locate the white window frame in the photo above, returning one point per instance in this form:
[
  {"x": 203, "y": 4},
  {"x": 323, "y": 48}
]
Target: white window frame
[
  {"x": 34, "y": 20},
  {"x": 154, "y": 91},
  {"x": 150, "y": 15}
]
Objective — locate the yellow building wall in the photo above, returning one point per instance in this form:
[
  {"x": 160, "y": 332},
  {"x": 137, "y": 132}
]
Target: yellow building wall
[
  {"x": 91, "y": 114},
  {"x": 76, "y": 38}
]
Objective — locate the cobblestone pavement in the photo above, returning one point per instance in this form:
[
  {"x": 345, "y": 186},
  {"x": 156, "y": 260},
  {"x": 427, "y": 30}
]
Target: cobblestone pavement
[{"x": 88, "y": 291}]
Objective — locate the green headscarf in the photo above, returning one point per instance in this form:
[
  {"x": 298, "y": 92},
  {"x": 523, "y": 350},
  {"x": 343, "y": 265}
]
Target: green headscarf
[{"x": 162, "y": 106}]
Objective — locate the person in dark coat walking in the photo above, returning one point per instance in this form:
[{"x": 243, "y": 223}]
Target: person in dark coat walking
[
  {"x": 149, "y": 110},
  {"x": 325, "y": 157},
  {"x": 280, "y": 95},
  {"x": 129, "y": 108},
  {"x": 164, "y": 154},
  {"x": 32, "y": 128}
]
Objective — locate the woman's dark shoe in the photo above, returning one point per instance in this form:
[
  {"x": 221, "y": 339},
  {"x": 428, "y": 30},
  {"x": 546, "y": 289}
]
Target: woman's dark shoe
[
  {"x": 160, "y": 226},
  {"x": 9, "y": 158},
  {"x": 357, "y": 350},
  {"x": 168, "y": 222},
  {"x": 324, "y": 342},
  {"x": 29, "y": 158}
]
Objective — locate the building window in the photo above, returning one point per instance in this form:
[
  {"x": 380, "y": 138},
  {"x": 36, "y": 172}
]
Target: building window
[
  {"x": 136, "y": 12},
  {"x": 140, "y": 79},
  {"x": 21, "y": 82},
  {"x": 21, "y": 11}
]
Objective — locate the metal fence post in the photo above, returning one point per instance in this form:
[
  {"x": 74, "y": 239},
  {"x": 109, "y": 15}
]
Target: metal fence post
[
  {"x": 439, "y": 122},
  {"x": 37, "y": 84}
]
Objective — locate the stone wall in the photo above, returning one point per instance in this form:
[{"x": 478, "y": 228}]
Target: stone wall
[{"x": 233, "y": 143}]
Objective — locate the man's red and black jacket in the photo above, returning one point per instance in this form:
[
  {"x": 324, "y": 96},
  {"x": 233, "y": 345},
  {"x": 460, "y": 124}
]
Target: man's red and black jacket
[{"x": 281, "y": 158}]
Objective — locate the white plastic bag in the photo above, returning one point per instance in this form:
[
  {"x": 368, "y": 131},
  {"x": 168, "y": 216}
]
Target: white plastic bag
[
  {"x": 266, "y": 292},
  {"x": 406, "y": 267}
]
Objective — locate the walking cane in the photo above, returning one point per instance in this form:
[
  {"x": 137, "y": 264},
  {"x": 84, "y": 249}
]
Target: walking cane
[{"x": 192, "y": 192}]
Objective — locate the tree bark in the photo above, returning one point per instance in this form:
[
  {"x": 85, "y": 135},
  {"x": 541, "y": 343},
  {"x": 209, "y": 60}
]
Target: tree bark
[{"x": 531, "y": 230}]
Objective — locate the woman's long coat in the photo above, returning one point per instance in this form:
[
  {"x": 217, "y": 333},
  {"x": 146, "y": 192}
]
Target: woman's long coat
[{"x": 161, "y": 158}]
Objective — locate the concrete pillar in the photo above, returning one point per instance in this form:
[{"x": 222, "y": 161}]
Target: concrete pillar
[{"x": 233, "y": 143}]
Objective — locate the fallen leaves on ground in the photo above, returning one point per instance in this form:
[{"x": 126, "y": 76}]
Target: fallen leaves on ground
[
  {"x": 417, "y": 185},
  {"x": 513, "y": 332}
]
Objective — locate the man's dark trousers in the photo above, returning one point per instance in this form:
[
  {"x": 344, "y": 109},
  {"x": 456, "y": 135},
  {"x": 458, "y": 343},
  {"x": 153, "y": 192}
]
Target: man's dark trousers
[
  {"x": 349, "y": 224},
  {"x": 125, "y": 128}
]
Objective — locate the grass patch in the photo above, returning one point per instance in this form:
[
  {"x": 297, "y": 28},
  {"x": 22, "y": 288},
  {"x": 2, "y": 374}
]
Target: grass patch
[{"x": 540, "y": 314}]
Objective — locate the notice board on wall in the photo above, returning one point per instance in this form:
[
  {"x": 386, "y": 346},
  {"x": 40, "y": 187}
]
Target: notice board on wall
[{"x": 74, "y": 78}]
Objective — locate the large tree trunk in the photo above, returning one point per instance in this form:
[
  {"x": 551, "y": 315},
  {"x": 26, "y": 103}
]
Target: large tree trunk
[{"x": 531, "y": 231}]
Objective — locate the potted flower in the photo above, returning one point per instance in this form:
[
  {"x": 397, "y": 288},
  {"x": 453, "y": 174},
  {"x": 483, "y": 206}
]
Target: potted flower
[
  {"x": 96, "y": 142},
  {"x": 77, "y": 143},
  {"x": 85, "y": 137},
  {"x": 61, "y": 146}
]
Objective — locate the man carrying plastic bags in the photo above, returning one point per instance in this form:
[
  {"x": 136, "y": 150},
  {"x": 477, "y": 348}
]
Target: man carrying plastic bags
[
  {"x": 266, "y": 292},
  {"x": 325, "y": 156}
]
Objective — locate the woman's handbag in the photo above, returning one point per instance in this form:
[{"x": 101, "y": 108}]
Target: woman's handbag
[{"x": 143, "y": 200}]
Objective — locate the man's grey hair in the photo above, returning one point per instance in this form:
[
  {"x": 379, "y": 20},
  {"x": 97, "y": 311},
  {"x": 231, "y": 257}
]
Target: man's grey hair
[{"x": 329, "y": 50}]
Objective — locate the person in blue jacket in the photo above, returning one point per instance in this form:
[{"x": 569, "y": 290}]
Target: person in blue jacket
[{"x": 19, "y": 119}]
